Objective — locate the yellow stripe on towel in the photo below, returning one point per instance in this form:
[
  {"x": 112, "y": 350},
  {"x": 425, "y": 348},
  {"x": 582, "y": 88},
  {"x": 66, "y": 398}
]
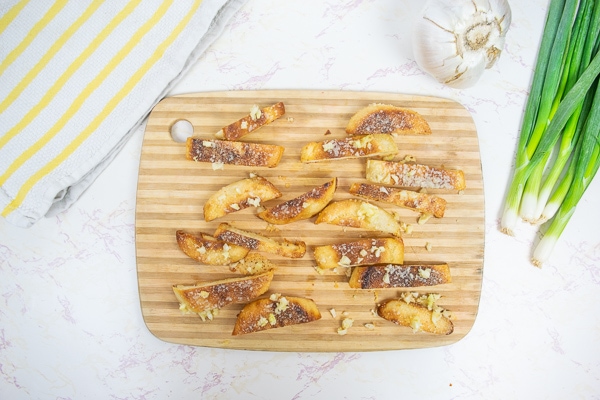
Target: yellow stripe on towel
[
  {"x": 37, "y": 28},
  {"x": 62, "y": 80},
  {"x": 110, "y": 106},
  {"x": 10, "y": 16},
  {"x": 32, "y": 73}
]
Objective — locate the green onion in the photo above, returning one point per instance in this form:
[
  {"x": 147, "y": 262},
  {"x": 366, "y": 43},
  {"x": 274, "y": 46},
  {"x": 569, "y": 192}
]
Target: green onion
[
  {"x": 557, "y": 154},
  {"x": 587, "y": 165}
]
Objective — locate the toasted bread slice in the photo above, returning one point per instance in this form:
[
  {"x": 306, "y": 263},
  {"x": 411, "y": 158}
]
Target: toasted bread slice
[
  {"x": 219, "y": 152},
  {"x": 301, "y": 207},
  {"x": 257, "y": 118},
  {"x": 275, "y": 312},
  {"x": 239, "y": 195},
  {"x": 360, "y": 252},
  {"x": 414, "y": 175},
  {"x": 359, "y": 214},
  {"x": 419, "y": 202},
  {"x": 358, "y": 146},
  {"x": 419, "y": 314},
  {"x": 254, "y": 241},
  {"x": 386, "y": 118},
  {"x": 208, "y": 250},
  {"x": 206, "y": 297},
  {"x": 253, "y": 264},
  {"x": 397, "y": 275}
]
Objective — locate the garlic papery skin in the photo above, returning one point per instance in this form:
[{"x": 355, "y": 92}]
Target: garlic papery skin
[{"x": 456, "y": 40}]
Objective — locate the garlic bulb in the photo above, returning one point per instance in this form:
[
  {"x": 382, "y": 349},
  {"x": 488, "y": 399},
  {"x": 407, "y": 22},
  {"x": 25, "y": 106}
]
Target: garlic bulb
[{"x": 456, "y": 40}]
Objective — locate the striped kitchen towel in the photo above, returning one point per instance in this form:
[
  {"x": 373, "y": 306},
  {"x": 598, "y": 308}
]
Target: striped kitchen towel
[{"x": 77, "y": 78}]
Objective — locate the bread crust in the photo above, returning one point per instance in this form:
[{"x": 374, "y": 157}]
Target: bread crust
[
  {"x": 358, "y": 146},
  {"x": 414, "y": 175},
  {"x": 208, "y": 250},
  {"x": 359, "y": 214},
  {"x": 415, "y": 315},
  {"x": 205, "y": 297},
  {"x": 302, "y": 207},
  {"x": 234, "y": 153},
  {"x": 360, "y": 252},
  {"x": 275, "y": 312},
  {"x": 251, "y": 122},
  {"x": 419, "y": 202},
  {"x": 239, "y": 195},
  {"x": 399, "y": 275},
  {"x": 388, "y": 119},
  {"x": 255, "y": 241}
]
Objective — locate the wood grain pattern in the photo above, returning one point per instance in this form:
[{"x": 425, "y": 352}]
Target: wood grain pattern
[{"x": 172, "y": 190}]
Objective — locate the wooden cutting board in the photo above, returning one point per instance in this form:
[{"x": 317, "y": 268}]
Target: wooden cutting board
[{"x": 172, "y": 190}]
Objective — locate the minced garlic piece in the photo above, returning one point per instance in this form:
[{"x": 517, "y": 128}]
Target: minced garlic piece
[
  {"x": 424, "y": 218},
  {"x": 207, "y": 143},
  {"x": 346, "y": 324},
  {"x": 333, "y": 312},
  {"x": 274, "y": 296},
  {"x": 217, "y": 165},
  {"x": 370, "y": 326},
  {"x": 254, "y": 202},
  {"x": 386, "y": 278},
  {"x": 415, "y": 324},
  {"x": 408, "y": 229},
  {"x": 383, "y": 189},
  {"x": 183, "y": 308},
  {"x": 410, "y": 158},
  {"x": 204, "y": 294},
  {"x": 255, "y": 112},
  {"x": 363, "y": 252},
  {"x": 262, "y": 322},
  {"x": 428, "y": 246},
  {"x": 235, "y": 206},
  {"x": 282, "y": 305},
  {"x": 272, "y": 319},
  {"x": 328, "y": 146},
  {"x": 244, "y": 125},
  {"x": 425, "y": 273},
  {"x": 202, "y": 250},
  {"x": 344, "y": 261}
]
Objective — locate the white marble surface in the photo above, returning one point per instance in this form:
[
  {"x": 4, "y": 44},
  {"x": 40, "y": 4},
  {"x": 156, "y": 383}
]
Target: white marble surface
[{"x": 70, "y": 320}]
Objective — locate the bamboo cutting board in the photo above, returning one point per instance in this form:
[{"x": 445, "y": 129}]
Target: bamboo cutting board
[{"x": 172, "y": 191}]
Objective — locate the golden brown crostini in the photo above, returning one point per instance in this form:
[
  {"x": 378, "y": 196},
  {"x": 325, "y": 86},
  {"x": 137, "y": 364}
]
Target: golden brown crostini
[
  {"x": 257, "y": 118},
  {"x": 360, "y": 252},
  {"x": 399, "y": 275},
  {"x": 204, "y": 298},
  {"x": 386, "y": 118},
  {"x": 301, "y": 207},
  {"x": 220, "y": 152},
  {"x": 239, "y": 195},
  {"x": 208, "y": 250},
  {"x": 359, "y": 146},
  {"x": 255, "y": 241},
  {"x": 275, "y": 311}
]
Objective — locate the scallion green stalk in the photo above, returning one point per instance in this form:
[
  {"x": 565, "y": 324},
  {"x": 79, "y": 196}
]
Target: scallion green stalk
[{"x": 586, "y": 168}]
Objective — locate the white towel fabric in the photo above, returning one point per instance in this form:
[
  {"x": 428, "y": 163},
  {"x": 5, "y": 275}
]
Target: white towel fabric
[{"x": 77, "y": 78}]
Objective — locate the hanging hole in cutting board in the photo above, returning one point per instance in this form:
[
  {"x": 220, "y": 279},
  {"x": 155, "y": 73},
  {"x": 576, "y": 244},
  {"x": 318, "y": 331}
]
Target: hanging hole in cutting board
[{"x": 181, "y": 130}]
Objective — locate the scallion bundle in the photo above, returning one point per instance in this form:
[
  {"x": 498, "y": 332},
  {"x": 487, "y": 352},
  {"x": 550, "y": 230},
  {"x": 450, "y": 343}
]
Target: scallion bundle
[{"x": 559, "y": 144}]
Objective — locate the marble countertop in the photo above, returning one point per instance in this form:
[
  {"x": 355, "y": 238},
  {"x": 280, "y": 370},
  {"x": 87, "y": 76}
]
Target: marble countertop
[{"x": 70, "y": 319}]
